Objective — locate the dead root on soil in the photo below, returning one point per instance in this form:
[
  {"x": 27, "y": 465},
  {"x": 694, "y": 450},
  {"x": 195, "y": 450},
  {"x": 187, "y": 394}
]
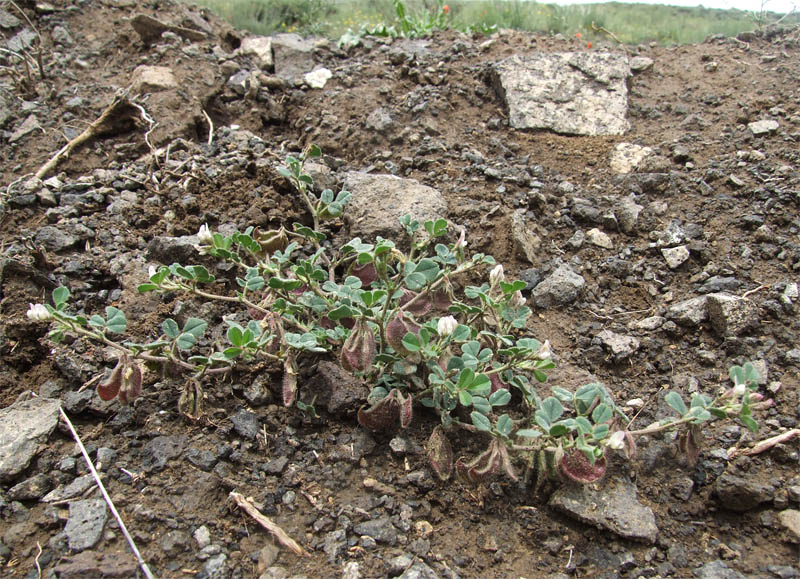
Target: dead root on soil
[
  {"x": 764, "y": 445},
  {"x": 118, "y": 117},
  {"x": 284, "y": 539}
]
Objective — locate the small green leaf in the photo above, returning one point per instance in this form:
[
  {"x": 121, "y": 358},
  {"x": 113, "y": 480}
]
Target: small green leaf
[
  {"x": 464, "y": 398},
  {"x": 170, "y": 328},
  {"x": 116, "y": 323},
  {"x": 235, "y": 335},
  {"x": 600, "y": 431},
  {"x": 562, "y": 394},
  {"x": 559, "y": 429},
  {"x": 749, "y": 423},
  {"x": 411, "y": 342},
  {"x": 504, "y": 425},
  {"x": 60, "y": 296},
  {"x": 195, "y": 326},
  {"x": 480, "y": 421},
  {"x": 529, "y": 433},
  {"x": 500, "y": 397},
  {"x": 601, "y": 413},
  {"x": 583, "y": 424},
  {"x": 97, "y": 321},
  {"x": 553, "y": 408},
  {"x": 185, "y": 341},
  {"x": 674, "y": 401},
  {"x": 146, "y": 287},
  {"x": 481, "y": 404}
]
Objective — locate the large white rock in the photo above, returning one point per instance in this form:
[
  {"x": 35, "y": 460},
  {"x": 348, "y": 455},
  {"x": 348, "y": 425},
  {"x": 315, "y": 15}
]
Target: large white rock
[
  {"x": 23, "y": 427},
  {"x": 575, "y": 93}
]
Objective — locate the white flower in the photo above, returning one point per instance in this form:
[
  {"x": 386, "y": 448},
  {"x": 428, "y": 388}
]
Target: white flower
[
  {"x": 446, "y": 325},
  {"x": 544, "y": 352},
  {"x": 496, "y": 275},
  {"x": 616, "y": 440},
  {"x": 739, "y": 389},
  {"x": 204, "y": 236},
  {"x": 151, "y": 271},
  {"x": 39, "y": 313},
  {"x": 517, "y": 300},
  {"x": 462, "y": 241}
]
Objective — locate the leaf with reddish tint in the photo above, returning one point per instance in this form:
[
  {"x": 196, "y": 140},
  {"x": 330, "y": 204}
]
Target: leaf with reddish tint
[
  {"x": 440, "y": 453},
  {"x": 289, "y": 381},
  {"x": 131, "y": 383},
  {"x": 689, "y": 443},
  {"x": 576, "y": 466},
  {"x": 366, "y": 273},
  {"x": 109, "y": 389},
  {"x": 385, "y": 413},
  {"x": 358, "y": 351},
  {"x": 497, "y": 384}
]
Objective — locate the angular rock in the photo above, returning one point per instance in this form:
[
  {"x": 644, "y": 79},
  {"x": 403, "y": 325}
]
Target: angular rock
[
  {"x": 153, "y": 79},
  {"x": 675, "y": 256},
  {"x": 340, "y": 391},
  {"x": 612, "y": 505},
  {"x": 169, "y": 250},
  {"x": 380, "y": 529},
  {"x": 117, "y": 565},
  {"x": 318, "y": 78},
  {"x": 23, "y": 427},
  {"x": 32, "y": 488},
  {"x": 526, "y": 242},
  {"x": 688, "y": 313},
  {"x": 261, "y": 48},
  {"x": 717, "y": 570},
  {"x": 26, "y": 127},
  {"x": 626, "y": 157},
  {"x": 641, "y": 63},
  {"x": 293, "y": 55},
  {"x": 576, "y": 93},
  {"x": 647, "y": 324},
  {"x": 379, "y": 201},
  {"x": 419, "y": 570},
  {"x": 719, "y": 283},
  {"x": 621, "y": 347},
  {"x": 162, "y": 449},
  {"x": 731, "y": 315},
  {"x": 763, "y": 127},
  {"x": 73, "y": 490},
  {"x": 599, "y": 238},
  {"x": 740, "y": 494},
  {"x": 627, "y": 213},
  {"x": 85, "y": 523},
  {"x": 790, "y": 519},
  {"x": 246, "y": 424},
  {"x": 150, "y": 29},
  {"x": 379, "y": 120},
  {"x": 562, "y": 287}
]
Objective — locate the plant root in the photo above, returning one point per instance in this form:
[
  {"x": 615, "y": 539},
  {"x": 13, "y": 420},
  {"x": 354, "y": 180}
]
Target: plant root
[{"x": 284, "y": 539}]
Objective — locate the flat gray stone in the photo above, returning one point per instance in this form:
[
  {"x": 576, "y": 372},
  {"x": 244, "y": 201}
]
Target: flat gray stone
[
  {"x": 717, "y": 570},
  {"x": 621, "y": 347},
  {"x": 731, "y": 315},
  {"x": 688, "y": 313},
  {"x": 575, "y": 93},
  {"x": 246, "y": 424},
  {"x": 763, "y": 127},
  {"x": 153, "y": 79},
  {"x": 293, "y": 55},
  {"x": 419, "y": 570},
  {"x": 627, "y": 213},
  {"x": 379, "y": 201},
  {"x": 261, "y": 48},
  {"x": 526, "y": 242},
  {"x": 641, "y": 63},
  {"x": 611, "y": 504},
  {"x": 562, "y": 287},
  {"x": 23, "y": 427},
  {"x": 85, "y": 523},
  {"x": 73, "y": 490},
  {"x": 380, "y": 529},
  {"x": 740, "y": 494}
]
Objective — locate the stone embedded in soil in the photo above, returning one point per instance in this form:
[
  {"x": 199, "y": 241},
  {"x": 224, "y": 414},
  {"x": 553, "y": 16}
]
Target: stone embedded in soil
[
  {"x": 675, "y": 256},
  {"x": 626, "y": 157},
  {"x": 293, "y": 55},
  {"x": 114, "y": 565},
  {"x": 419, "y": 570},
  {"x": 340, "y": 391},
  {"x": 731, "y": 315},
  {"x": 688, "y": 313},
  {"x": 24, "y": 426},
  {"x": 380, "y": 529},
  {"x": 202, "y": 459},
  {"x": 162, "y": 449},
  {"x": 717, "y": 570},
  {"x": 261, "y": 48},
  {"x": 790, "y": 519},
  {"x": 627, "y": 212},
  {"x": 379, "y": 201},
  {"x": 216, "y": 567},
  {"x": 380, "y": 120},
  {"x": 718, "y": 283},
  {"x": 621, "y": 347},
  {"x": 74, "y": 489},
  {"x": 763, "y": 127},
  {"x": 610, "y": 504},
  {"x": 526, "y": 242},
  {"x": 562, "y": 287},
  {"x": 741, "y": 494},
  {"x": 168, "y": 250},
  {"x": 85, "y": 523},
  {"x": 599, "y": 238},
  {"x": 335, "y": 544},
  {"x": 318, "y": 77},
  {"x": 153, "y": 79},
  {"x": 54, "y": 239},
  {"x": 575, "y": 93},
  {"x": 246, "y": 424},
  {"x": 641, "y": 63},
  {"x": 34, "y": 487}
]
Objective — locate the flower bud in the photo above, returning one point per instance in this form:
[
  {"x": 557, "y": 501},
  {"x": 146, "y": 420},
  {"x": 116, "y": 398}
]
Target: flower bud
[
  {"x": 151, "y": 271},
  {"x": 738, "y": 390},
  {"x": 446, "y": 325},
  {"x": 616, "y": 440},
  {"x": 544, "y": 352},
  {"x": 496, "y": 275},
  {"x": 462, "y": 241},
  {"x": 204, "y": 236},
  {"x": 39, "y": 313},
  {"x": 358, "y": 351},
  {"x": 517, "y": 299}
]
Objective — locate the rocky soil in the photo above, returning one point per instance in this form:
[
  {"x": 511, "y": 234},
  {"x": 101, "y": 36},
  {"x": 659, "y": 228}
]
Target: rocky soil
[{"x": 660, "y": 246}]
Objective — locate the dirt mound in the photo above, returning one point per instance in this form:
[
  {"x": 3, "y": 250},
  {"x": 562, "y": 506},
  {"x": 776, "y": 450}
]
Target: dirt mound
[{"x": 632, "y": 246}]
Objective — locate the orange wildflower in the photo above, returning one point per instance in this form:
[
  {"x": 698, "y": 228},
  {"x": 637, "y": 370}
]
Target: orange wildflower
[
  {"x": 577, "y": 35},
  {"x": 446, "y": 9},
  {"x": 588, "y": 45}
]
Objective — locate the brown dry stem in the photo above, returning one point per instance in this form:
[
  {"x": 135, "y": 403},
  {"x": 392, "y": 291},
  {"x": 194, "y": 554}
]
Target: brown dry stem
[
  {"x": 765, "y": 444},
  {"x": 265, "y": 522},
  {"x": 118, "y": 117}
]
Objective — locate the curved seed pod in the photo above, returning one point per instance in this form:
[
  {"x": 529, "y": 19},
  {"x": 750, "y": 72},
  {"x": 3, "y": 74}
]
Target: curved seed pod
[
  {"x": 441, "y": 300},
  {"x": 440, "y": 453},
  {"x": 289, "y": 381},
  {"x": 131, "y": 383},
  {"x": 384, "y": 414},
  {"x": 491, "y": 461},
  {"x": 420, "y": 307},
  {"x": 271, "y": 240},
  {"x": 396, "y": 330},
  {"x": 358, "y": 351},
  {"x": 366, "y": 273},
  {"x": 406, "y": 409},
  {"x": 576, "y": 466},
  {"x": 190, "y": 403},
  {"x": 109, "y": 389}
]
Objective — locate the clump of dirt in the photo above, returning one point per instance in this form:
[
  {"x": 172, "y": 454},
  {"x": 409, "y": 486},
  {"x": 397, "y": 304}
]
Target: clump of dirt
[{"x": 210, "y": 124}]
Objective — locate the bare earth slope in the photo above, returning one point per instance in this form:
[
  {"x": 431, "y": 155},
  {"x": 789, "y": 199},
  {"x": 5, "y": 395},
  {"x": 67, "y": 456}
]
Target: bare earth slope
[{"x": 714, "y": 183}]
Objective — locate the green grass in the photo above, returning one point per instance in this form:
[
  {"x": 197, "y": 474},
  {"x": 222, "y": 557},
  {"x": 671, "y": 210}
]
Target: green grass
[{"x": 630, "y": 23}]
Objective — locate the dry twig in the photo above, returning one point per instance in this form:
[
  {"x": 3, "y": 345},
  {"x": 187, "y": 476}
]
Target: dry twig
[
  {"x": 265, "y": 522},
  {"x": 765, "y": 444}
]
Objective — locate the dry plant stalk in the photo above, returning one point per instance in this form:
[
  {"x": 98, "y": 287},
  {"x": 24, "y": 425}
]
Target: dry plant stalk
[
  {"x": 117, "y": 117},
  {"x": 265, "y": 522},
  {"x": 765, "y": 444}
]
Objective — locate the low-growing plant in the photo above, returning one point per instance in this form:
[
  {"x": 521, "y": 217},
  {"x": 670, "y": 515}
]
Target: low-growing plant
[{"x": 410, "y": 320}]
